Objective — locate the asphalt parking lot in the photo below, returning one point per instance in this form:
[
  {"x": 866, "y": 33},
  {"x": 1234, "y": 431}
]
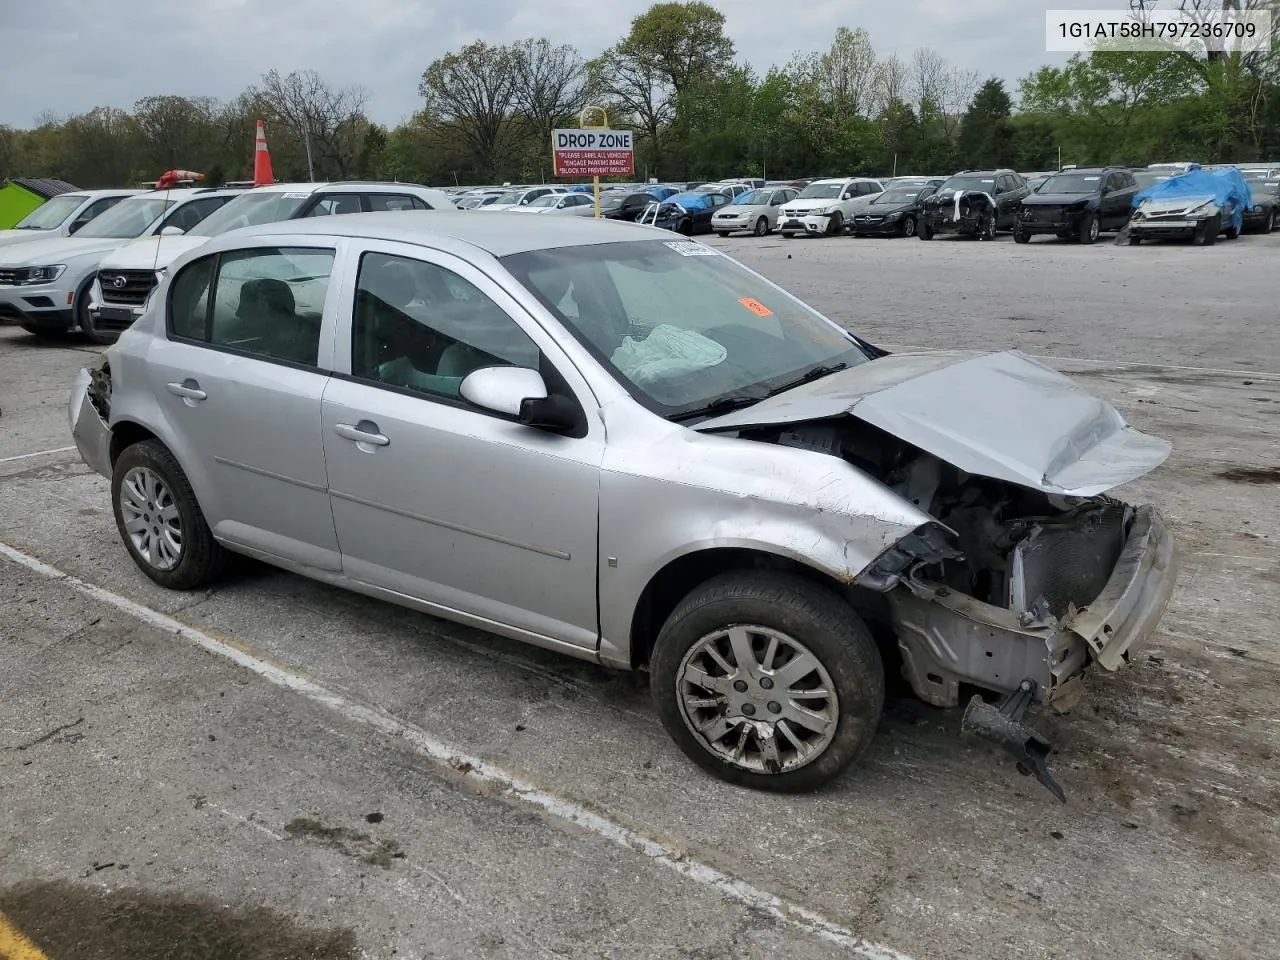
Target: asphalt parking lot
[{"x": 272, "y": 769}]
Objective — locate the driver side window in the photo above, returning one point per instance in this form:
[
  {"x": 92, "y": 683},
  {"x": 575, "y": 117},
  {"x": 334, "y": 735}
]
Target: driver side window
[{"x": 421, "y": 327}]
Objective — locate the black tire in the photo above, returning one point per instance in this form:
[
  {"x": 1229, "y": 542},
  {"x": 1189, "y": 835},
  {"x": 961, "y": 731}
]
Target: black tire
[
  {"x": 988, "y": 229},
  {"x": 1020, "y": 235},
  {"x": 1270, "y": 223},
  {"x": 202, "y": 559},
  {"x": 762, "y": 227},
  {"x": 1134, "y": 240},
  {"x": 925, "y": 232},
  {"x": 1089, "y": 229},
  {"x": 685, "y": 227},
  {"x": 84, "y": 320},
  {"x": 786, "y": 235},
  {"x": 908, "y": 228},
  {"x": 835, "y": 224},
  {"x": 818, "y": 618},
  {"x": 722, "y": 233},
  {"x": 1232, "y": 232}
]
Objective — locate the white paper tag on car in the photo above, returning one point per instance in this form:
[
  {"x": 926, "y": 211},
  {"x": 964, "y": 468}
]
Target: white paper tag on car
[{"x": 690, "y": 248}]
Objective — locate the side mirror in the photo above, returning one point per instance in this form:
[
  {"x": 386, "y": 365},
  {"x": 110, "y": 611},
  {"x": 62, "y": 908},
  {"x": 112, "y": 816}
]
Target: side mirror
[
  {"x": 502, "y": 389},
  {"x": 172, "y": 231}
]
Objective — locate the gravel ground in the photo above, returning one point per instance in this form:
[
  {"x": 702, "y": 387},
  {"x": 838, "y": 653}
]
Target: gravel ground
[{"x": 274, "y": 769}]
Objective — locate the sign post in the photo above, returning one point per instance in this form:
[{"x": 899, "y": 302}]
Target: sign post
[{"x": 593, "y": 150}]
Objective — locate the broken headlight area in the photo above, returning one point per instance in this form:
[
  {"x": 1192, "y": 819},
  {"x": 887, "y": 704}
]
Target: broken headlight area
[{"x": 1008, "y": 589}]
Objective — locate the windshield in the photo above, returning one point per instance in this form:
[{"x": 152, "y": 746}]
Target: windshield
[
  {"x": 679, "y": 324},
  {"x": 820, "y": 191},
  {"x": 985, "y": 184},
  {"x": 1071, "y": 183},
  {"x": 128, "y": 218},
  {"x": 760, "y": 197},
  {"x": 550, "y": 200},
  {"x": 511, "y": 197},
  {"x": 51, "y": 213},
  {"x": 898, "y": 197},
  {"x": 1146, "y": 179},
  {"x": 250, "y": 210},
  {"x": 1257, "y": 174},
  {"x": 611, "y": 200}
]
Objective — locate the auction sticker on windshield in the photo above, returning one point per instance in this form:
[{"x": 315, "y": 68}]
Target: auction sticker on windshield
[
  {"x": 691, "y": 248},
  {"x": 756, "y": 307}
]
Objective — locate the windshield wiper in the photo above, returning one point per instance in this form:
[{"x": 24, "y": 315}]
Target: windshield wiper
[
  {"x": 813, "y": 373},
  {"x": 722, "y": 405}
]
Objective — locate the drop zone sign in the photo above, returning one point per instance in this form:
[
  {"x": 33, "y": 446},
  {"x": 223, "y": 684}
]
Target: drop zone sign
[{"x": 593, "y": 153}]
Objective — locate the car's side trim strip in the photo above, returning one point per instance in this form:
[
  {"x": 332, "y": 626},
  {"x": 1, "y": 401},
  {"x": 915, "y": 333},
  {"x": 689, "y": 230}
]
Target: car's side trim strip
[
  {"x": 458, "y": 528},
  {"x": 318, "y": 488}
]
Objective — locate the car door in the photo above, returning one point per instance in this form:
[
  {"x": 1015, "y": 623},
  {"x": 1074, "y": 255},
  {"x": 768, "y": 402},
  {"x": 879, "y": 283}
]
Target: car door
[
  {"x": 460, "y": 509},
  {"x": 239, "y": 380},
  {"x": 1116, "y": 202}
]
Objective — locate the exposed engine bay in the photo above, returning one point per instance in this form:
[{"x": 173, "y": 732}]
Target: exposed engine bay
[
  {"x": 966, "y": 211},
  {"x": 997, "y": 593}
]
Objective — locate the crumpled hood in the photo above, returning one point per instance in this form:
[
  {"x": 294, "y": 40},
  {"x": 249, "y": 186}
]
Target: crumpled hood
[
  {"x": 150, "y": 252},
  {"x": 9, "y": 237},
  {"x": 998, "y": 415},
  {"x": 55, "y": 250},
  {"x": 1174, "y": 205}
]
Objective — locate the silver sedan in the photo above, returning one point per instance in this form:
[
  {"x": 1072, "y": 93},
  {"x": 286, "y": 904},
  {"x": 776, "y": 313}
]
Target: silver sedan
[
  {"x": 625, "y": 446},
  {"x": 755, "y": 211}
]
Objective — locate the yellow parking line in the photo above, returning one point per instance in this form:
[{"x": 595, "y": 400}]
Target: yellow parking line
[{"x": 15, "y": 946}]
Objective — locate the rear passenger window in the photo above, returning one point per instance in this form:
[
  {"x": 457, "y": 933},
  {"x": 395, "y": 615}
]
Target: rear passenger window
[
  {"x": 267, "y": 302},
  {"x": 189, "y": 301},
  {"x": 335, "y": 203},
  {"x": 421, "y": 327},
  {"x": 394, "y": 201}
]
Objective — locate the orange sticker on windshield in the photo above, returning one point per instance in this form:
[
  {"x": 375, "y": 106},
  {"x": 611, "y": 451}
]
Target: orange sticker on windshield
[{"x": 756, "y": 307}]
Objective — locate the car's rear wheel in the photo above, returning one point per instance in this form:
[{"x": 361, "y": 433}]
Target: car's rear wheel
[
  {"x": 685, "y": 227},
  {"x": 768, "y": 681},
  {"x": 160, "y": 521},
  {"x": 925, "y": 232},
  {"x": 1270, "y": 223},
  {"x": 908, "y": 228},
  {"x": 1020, "y": 235},
  {"x": 762, "y": 227}
]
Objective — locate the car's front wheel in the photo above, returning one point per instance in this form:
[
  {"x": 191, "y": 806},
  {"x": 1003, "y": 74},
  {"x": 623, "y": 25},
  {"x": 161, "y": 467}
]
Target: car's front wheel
[
  {"x": 160, "y": 521},
  {"x": 908, "y": 228},
  {"x": 835, "y": 224},
  {"x": 768, "y": 681},
  {"x": 86, "y": 323},
  {"x": 762, "y": 226}
]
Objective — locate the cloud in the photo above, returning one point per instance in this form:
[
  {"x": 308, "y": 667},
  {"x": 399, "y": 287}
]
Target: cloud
[{"x": 60, "y": 58}]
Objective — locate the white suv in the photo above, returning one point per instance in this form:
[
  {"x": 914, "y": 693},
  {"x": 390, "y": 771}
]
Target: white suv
[
  {"x": 823, "y": 207},
  {"x": 63, "y": 215},
  {"x": 44, "y": 285},
  {"x": 128, "y": 275}
]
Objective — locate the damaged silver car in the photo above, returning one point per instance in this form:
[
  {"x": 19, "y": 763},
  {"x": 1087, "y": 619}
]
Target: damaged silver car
[{"x": 629, "y": 448}]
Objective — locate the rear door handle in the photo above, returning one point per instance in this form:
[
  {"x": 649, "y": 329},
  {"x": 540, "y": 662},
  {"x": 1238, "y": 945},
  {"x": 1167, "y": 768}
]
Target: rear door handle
[
  {"x": 366, "y": 431},
  {"x": 188, "y": 389}
]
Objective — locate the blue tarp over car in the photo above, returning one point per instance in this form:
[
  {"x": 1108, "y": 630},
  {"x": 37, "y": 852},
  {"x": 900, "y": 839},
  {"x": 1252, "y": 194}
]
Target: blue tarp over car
[
  {"x": 1224, "y": 187},
  {"x": 690, "y": 201}
]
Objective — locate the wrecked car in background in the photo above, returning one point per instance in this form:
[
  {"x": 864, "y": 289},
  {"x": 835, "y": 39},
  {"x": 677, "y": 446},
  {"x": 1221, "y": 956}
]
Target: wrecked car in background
[
  {"x": 1197, "y": 205},
  {"x": 639, "y": 453},
  {"x": 1077, "y": 205},
  {"x": 974, "y": 204},
  {"x": 688, "y": 213}
]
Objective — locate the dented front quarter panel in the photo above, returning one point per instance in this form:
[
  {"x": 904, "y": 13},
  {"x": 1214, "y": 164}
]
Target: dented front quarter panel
[{"x": 667, "y": 492}]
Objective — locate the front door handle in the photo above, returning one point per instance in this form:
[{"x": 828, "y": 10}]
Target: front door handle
[
  {"x": 366, "y": 431},
  {"x": 188, "y": 389}
]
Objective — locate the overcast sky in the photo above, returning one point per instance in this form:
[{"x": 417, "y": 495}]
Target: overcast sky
[{"x": 67, "y": 56}]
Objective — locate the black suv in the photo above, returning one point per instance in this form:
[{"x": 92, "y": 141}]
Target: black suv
[
  {"x": 963, "y": 204},
  {"x": 1078, "y": 204}
]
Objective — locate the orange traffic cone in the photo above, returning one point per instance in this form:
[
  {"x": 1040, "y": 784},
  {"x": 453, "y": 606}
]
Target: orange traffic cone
[{"x": 261, "y": 159}]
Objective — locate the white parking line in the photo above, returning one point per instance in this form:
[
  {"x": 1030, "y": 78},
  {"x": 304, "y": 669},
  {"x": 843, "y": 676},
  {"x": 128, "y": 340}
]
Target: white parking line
[
  {"x": 512, "y": 784},
  {"x": 38, "y": 453}
]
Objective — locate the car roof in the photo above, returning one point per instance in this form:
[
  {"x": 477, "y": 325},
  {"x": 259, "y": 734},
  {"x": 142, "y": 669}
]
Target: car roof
[
  {"x": 499, "y": 234},
  {"x": 99, "y": 194}
]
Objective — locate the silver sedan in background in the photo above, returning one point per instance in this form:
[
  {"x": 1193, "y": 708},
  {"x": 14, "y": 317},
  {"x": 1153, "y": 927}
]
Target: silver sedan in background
[
  {"x": 625, "y": 446},
  {"x": 755, "y": 211}
]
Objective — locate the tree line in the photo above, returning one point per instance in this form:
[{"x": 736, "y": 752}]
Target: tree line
[{"x": 488, "y": 111}]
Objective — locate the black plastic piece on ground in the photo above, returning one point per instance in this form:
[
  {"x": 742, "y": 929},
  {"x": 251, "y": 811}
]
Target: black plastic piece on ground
[{"x": 1004, "y": 726}]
